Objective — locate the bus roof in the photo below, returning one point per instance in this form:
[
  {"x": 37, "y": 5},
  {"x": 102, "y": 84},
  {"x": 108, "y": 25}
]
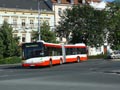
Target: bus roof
[
  {"x": 52, "y": 45},
  {"x": 79, "y": 45}
]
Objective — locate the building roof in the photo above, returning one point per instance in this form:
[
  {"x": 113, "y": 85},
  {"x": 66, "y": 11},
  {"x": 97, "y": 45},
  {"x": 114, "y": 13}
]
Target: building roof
[
  {"x": 25, "y": 4},
  {"x": 74, "y": 1},
  {"x": 94, "y": 1},
  {"x": 63, "y": 1}
]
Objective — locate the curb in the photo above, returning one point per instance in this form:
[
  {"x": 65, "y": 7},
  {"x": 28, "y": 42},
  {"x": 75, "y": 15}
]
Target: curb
[
  {"x": 2, "y": 65},
  {"x": 115, "y": 59}
]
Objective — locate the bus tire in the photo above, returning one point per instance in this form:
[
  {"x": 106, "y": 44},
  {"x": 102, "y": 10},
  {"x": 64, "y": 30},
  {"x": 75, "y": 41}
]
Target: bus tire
[
  {"x": 50, "y": 64},
  {"x": 78, "y": 59},
  {"x": 61, "y": 62}
]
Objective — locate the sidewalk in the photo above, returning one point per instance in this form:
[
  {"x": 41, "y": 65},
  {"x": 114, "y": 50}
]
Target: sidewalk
[{"x": 115, "y": 59}]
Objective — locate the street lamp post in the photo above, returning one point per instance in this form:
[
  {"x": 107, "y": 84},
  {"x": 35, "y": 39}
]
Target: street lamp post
[{"x": 39, "y": 38}]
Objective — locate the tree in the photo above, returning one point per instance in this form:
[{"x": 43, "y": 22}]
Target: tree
[
  {"x": 114, "y": 26},
  {"x": 8, "y": 43},
  {"x": 46, "y": 34},
  {"x": 1, "y": 46},
  {"x": 117, "y": 2},
  {"x": 84, "y": 24}
]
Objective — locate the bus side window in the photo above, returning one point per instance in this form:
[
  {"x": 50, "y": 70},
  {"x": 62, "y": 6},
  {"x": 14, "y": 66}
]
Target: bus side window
[
  {"x": 74, "y": 51},
  {"x": 68, "y": 51},
  {"x": 83, "y": 50},
  {"x": 55, "y": 51},
  {"x": 50, "y": 51},
  {"x": 46, "y": 50},
  {"x": 71, "y": 51},
  {"x": 78, "y": 50},
  {"x": 38, "y": 53}
]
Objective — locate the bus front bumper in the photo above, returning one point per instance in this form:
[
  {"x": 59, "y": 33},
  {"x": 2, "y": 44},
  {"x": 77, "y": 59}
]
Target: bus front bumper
[{"x": 46, "y": 63}]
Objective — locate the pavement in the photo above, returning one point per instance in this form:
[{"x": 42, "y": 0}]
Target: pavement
[{"x": 89, "y": 75}]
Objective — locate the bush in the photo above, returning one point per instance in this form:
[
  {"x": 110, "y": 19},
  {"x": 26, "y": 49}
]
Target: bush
[
  {"x": 101, "y": 56},
  {"x": 10, "y": 60}
]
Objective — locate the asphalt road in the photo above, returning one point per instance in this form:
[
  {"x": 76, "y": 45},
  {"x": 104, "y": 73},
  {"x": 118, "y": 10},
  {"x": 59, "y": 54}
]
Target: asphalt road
[{"x": 88, "y": 75}]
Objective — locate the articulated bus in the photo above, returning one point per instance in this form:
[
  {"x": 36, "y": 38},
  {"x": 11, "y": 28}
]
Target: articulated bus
[{"x": 37, "y": 54}]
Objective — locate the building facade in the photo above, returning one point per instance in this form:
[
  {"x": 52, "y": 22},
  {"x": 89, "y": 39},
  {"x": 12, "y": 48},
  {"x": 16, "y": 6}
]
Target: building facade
[
  {"x": 24, "y": 19},
  {"x": 59, "y": 6}
]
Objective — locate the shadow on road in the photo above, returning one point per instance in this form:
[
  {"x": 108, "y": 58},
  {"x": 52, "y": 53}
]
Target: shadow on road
[{"x": 20, "y": 67}]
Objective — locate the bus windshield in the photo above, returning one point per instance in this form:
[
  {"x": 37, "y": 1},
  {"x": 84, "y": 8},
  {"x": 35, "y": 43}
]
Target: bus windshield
[{"x": 31, "y": 50}]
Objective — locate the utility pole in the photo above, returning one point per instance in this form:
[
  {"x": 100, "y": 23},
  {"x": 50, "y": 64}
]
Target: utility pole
[{"x": 39, "y": 38}]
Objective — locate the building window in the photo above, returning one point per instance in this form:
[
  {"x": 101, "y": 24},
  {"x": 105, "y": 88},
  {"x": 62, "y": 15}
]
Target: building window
[
  {"x": 98, "y": 49},
  {"x": 55, "y": 0},
  {"x": 6, "y": 19},
  {"x": 59, "y": 11},
  {"x": 14, "y": 35},
  {"x": 80, "y": 1},
  {"x": 23, "y": 38},
  {"x": 68, "y": 1},
  {"x": 23, "y": 23},
  {"x": 47, "y": 22},
  {"x": 14, "y": 22},
  {"x": 31, "y": 23}
]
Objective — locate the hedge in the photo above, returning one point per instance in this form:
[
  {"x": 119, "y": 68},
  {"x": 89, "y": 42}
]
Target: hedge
[
  {"x": 101, "y": 56},
  {"x": 10, "y": 60}
]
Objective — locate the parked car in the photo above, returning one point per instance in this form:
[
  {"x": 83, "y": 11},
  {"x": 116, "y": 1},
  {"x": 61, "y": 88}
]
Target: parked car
[{"x": 115, "y": 55}]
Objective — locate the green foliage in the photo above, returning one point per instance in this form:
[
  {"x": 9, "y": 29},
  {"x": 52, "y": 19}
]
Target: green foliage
[
  {"x": 8, "y": 44},
  {"x": 117, "y": 2},
  {"x": 10, "y": 60},
  {"x": 1, "y": 47},
  {"x": 90, "y": 26},
  {"x": 101, "y": 56},
  {"x": 46, "y": 34},
  {"x": 114, "y": 26},
  {"x": 84, "y": 24}
]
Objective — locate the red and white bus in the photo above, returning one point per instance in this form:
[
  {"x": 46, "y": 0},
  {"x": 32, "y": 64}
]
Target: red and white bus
[{"x": 48, "y": 54}]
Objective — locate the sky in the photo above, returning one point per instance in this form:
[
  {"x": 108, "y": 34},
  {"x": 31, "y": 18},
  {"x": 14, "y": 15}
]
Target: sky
[{"x": 100, "y": 5}]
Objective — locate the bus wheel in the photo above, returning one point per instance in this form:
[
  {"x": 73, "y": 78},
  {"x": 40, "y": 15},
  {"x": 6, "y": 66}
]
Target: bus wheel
[
  {"x": 50, "y": 63},
  {"x": 61, "y": 62},
  {"x": 78, "y": 60}
]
